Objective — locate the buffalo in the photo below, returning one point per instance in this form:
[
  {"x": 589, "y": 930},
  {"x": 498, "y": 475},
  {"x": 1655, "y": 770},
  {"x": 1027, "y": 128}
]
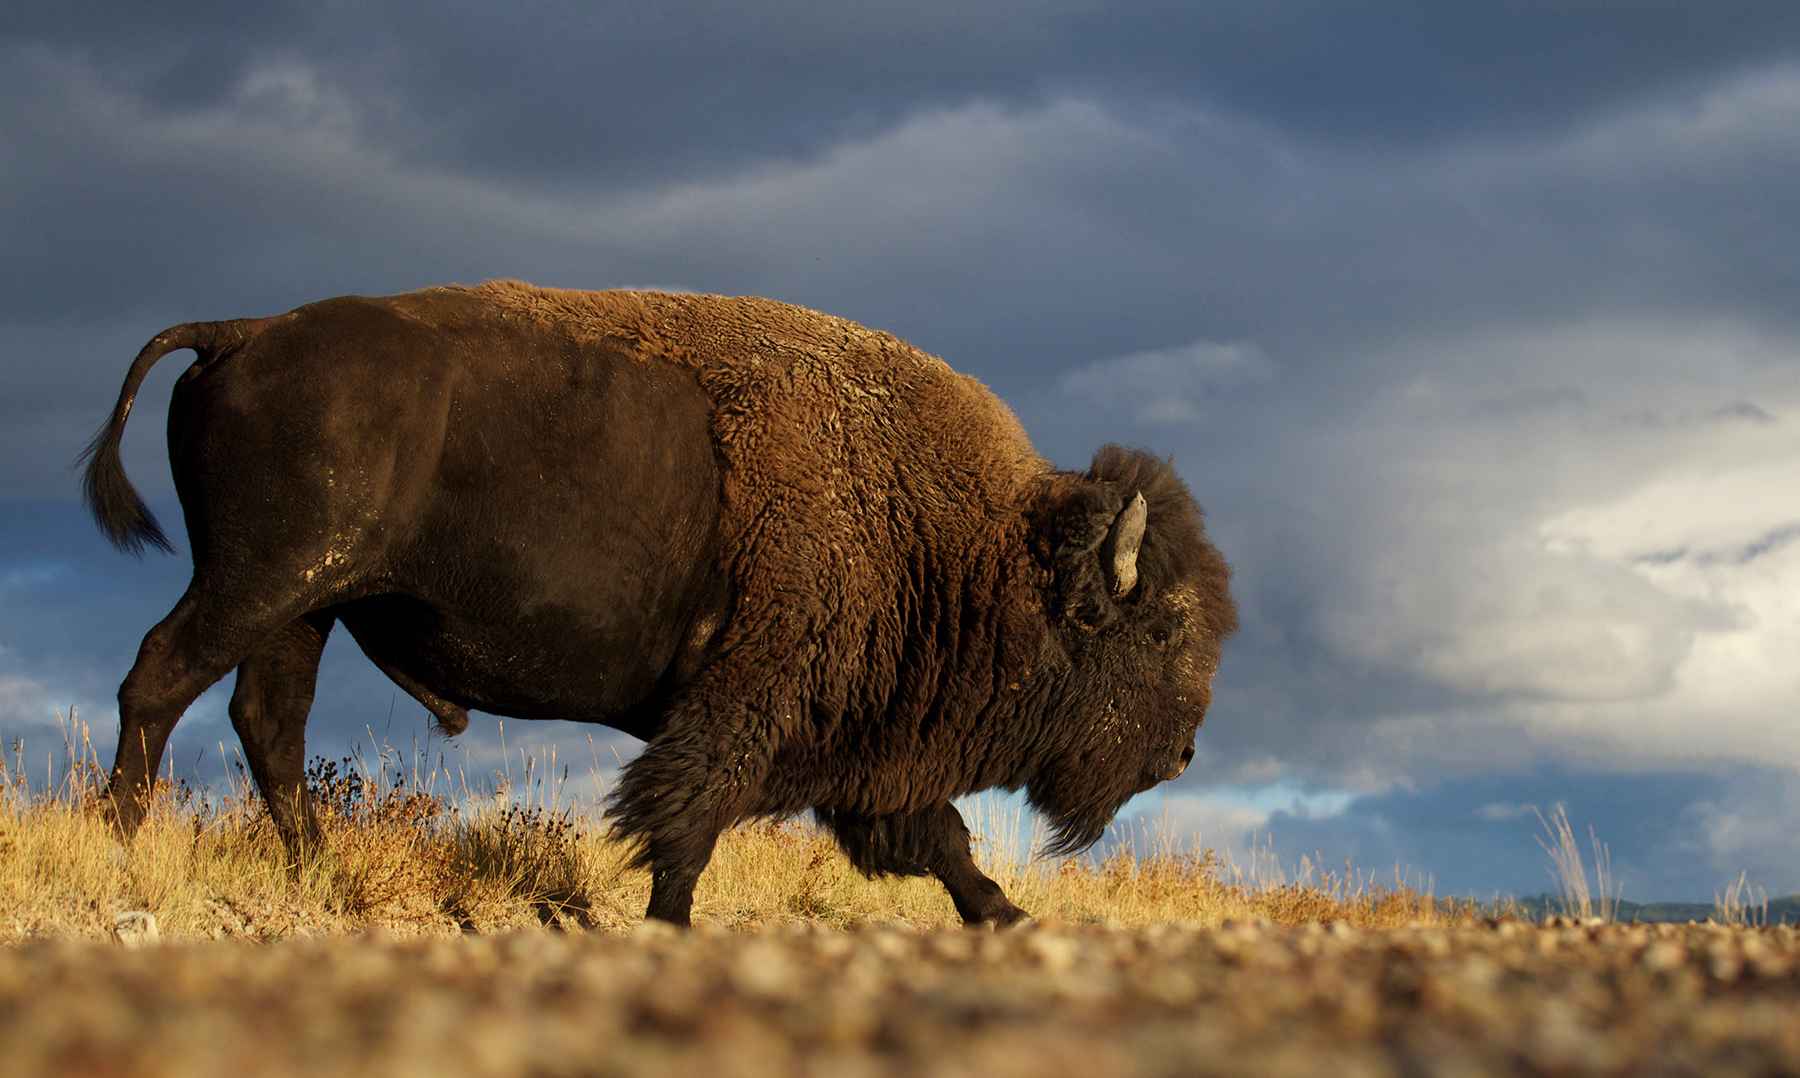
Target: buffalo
[{"x": 809, "y": 565}]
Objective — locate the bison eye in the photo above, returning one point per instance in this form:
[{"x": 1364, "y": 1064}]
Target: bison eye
[{"x": 1160, "y": 636}]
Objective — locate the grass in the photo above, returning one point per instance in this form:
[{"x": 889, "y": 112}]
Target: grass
[
  {"x": 1570, "y": 870},
  {"x": 416, "y": 851},
  {"x": 1742, "y": 903}
]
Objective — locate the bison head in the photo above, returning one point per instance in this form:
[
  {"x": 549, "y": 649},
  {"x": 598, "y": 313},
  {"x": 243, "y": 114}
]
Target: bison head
[{"x": 1139, "y": 602}]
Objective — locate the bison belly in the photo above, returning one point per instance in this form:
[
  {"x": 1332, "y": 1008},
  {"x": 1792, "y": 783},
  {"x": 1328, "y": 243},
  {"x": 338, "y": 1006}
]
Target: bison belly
[
  {"x": 564, "y": 559},
  {"x": 564, "y": 663}
]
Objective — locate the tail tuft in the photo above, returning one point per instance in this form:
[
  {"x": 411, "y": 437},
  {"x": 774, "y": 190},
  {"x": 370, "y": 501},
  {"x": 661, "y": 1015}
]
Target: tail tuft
[{"x": 121, "y": 514}]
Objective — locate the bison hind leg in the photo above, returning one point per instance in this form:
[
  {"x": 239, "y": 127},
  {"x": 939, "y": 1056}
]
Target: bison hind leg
[
  {"x": 211, "y": 630},
  {"x": 931, "y": 842},
  {"x": 269, "y": 705}
]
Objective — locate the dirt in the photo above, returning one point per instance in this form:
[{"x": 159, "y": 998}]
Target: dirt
[{"x": 1244, "y": 999}]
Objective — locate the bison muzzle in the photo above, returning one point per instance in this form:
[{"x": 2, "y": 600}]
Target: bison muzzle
[{"x": 809, "y": 565}]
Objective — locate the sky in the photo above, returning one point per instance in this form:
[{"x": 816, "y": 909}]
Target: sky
[{"x": 1473, "y": 327}]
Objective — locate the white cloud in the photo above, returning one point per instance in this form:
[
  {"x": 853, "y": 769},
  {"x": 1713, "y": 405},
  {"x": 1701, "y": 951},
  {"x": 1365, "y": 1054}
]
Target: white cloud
[
  {"x": 1221, "y": 821},
  {"x": 293, "y": 95},
  {"x": 1233, "y": 821},
  {"x": 29, "y": 576},
  {"x": 26, "y": 702},
  {"x": 1613, "y": 571},
  {"x": 1753, "y": 828},
  {"x": 1751, "y": 113},
  {"x": 1503, "y": 811}
]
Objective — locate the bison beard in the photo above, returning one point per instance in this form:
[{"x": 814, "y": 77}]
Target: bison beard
[{"x": 809, "y": 565}]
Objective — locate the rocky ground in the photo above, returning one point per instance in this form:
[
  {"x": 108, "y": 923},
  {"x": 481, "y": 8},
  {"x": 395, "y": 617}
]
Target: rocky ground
[{"x": 1244, "y": 999}]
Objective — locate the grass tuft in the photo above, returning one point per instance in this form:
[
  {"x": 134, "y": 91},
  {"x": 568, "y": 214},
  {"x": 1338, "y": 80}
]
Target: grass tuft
[
  {"x": 1570, "y": 870},
  {"x": 403, "y": 854},
  {"x": 1742, "y": 903}
]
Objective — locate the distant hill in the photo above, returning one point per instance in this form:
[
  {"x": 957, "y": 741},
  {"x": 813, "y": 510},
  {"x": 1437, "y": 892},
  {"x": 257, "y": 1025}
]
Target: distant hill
[{"x": 1781, "y": 910}]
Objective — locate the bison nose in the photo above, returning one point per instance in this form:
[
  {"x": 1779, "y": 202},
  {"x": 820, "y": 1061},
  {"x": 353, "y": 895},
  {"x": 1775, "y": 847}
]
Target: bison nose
[
  {"x": 1187, "y": 757},
  {"x": 1174, "y": 769}
]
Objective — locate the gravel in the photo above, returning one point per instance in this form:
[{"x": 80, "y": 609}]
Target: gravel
[{"x": 1087, "y": 1001}]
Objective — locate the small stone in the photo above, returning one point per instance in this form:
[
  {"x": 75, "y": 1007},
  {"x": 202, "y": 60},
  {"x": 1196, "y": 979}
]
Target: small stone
[
  {"x": 136, "y": 928},
  {"x": 1057, "y": 953},
  {"x": 651, "y": 929},
  {"x": 763, "y": 969},
  {"x": 1664, "y": 955}
]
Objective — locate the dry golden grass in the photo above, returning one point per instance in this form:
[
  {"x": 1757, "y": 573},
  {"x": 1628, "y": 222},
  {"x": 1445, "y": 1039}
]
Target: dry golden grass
[{"x": 401, "y": 856}]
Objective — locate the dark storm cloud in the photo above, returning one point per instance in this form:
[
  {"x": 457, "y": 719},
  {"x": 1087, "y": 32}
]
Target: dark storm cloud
[
  {"x": 1017, "y": 242},
  {"x": 623, "y": 93}
]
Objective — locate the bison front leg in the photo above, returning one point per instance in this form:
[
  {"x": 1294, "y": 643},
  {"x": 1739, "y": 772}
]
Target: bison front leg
[
  {"x": 703, "y": 773},
  {"x": 933, "y": 842}
]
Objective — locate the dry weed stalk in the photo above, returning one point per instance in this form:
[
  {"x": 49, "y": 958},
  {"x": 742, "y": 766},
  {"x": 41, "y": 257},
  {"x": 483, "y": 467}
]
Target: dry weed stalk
[
  {"x": 1570, "y": 871},
  {"x": 1741, "y": 903}
]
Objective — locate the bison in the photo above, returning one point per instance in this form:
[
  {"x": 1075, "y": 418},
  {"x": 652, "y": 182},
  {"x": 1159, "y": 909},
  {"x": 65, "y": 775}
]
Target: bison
[{"x": 808, "y": 564}]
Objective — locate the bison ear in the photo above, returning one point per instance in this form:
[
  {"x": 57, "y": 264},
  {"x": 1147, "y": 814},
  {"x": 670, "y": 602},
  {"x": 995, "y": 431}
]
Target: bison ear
[{"x": 1095, "y": 534}]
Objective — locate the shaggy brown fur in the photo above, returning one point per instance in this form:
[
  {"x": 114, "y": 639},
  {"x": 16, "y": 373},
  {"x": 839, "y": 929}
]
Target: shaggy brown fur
[
  {"x": 874, "y": 499},
  {"x": 915, "y": 605}
]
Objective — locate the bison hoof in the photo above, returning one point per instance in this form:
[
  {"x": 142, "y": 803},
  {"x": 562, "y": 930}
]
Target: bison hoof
[
  {"x": 123, "y": 815},
  {"x": 999, "y": 918}
]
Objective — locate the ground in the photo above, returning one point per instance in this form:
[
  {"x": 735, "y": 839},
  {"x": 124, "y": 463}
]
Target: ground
[{"x": 1243, "y": 998}]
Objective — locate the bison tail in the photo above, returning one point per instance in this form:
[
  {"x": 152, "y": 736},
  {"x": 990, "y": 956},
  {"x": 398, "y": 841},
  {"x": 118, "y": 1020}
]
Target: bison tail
[{"x": 121, "y": 514}]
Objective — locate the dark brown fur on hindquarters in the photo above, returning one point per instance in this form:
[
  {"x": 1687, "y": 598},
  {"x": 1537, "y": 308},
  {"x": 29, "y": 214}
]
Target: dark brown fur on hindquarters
[
  {"x": 810, "y": 565},
  {"x": 932, "y": 842}
]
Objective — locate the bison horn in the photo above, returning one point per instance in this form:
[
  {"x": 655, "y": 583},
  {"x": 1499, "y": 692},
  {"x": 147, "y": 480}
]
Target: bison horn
[{"x": 1127, "y": 536}]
